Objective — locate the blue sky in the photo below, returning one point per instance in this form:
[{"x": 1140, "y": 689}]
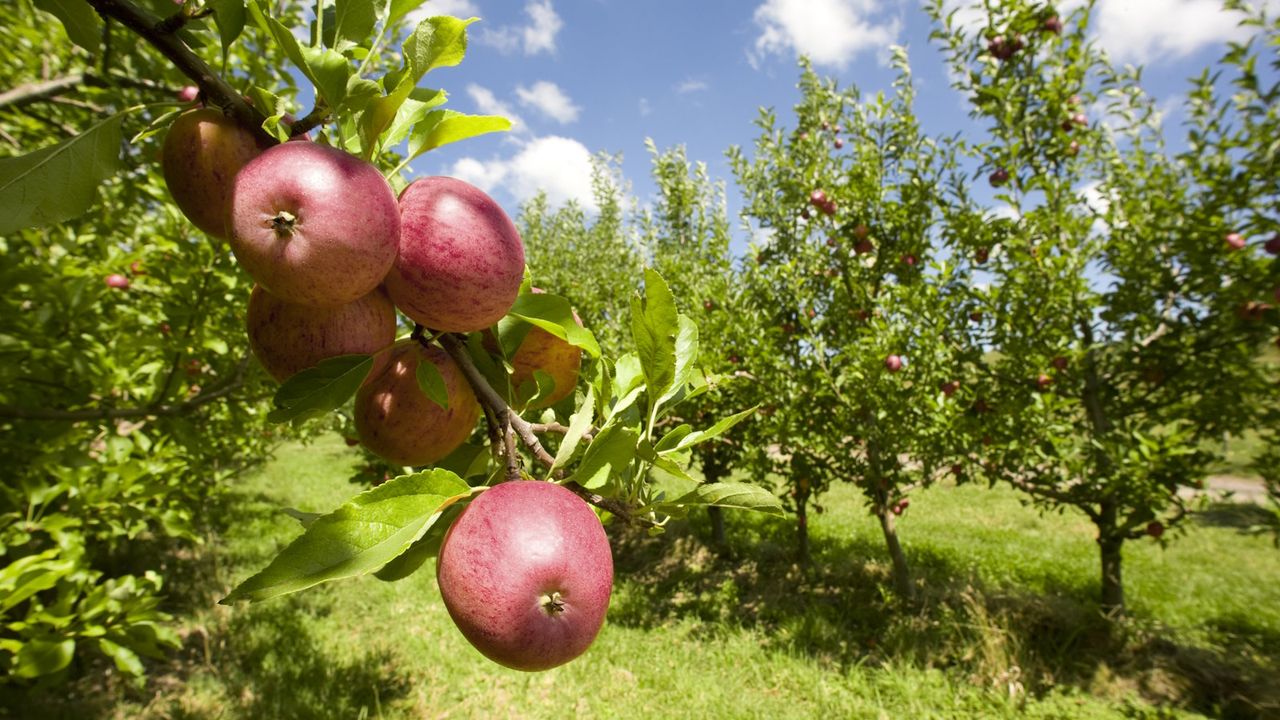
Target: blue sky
[{"x": 584, "y": 76}]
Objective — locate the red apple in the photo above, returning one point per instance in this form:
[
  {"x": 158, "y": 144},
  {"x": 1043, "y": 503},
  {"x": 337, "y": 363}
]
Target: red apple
[
  {"x": 1073, "y": 149},
  {"x": 1272, "y": 246},
  {"x": 135, "y": 267},
  {"x": 1075, "y": 101},
  {"x": 314, "y": 225},
  {"x": 893, "y": 363},
  {"x": 165, "y": 329},
  {"x": 526, "y": 573},
  {"x": 1155, "y": 529},
  {"x": 861, "y": 231},
  {"x": 540, "y": 350},
  {"x": 828, "y": 207},
  {"x": 1060, "y": 363},
  {"x": 839, "y": 143},
  {"x": 1043, "y": 381},
  {"x": 397, "y": 421},
  {"x": 909, "y": 259},
  {"x": 202, "y": 153},
  {"x": 981, "y": 255},
  {"x": 1052, "y": 24},
  {"x": 1080, "y": 119},
  {"x": 803, "y": 136},
  {"x": 832, "y": 242},
  {"x": 461, "y": 259},
  {"x": 950, "y": 387},
  {"x": 804, "y": 213},
  {"x": 975, "y": 316},
  {"x": 288, "y": 338},
  {"x": 117, "y": 281},
  {"x": 811, "y": 313},
  {"x": 998, "y": 177},
  {"x": 708, "y": 305},
  {"x": 188, "y": 93},
  {"x": 1234, "y": 240},
  {"x": 818, "y": 198}
]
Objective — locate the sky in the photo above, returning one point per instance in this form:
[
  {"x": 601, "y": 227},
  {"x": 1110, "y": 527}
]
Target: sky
[{"x": 579, "y": 77}]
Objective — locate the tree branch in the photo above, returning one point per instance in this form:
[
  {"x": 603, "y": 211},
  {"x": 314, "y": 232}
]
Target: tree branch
[
  {"x": 214, "y": 89},
  {"x": 235, "y": 382},
  {"x": 493, "y": 403}
]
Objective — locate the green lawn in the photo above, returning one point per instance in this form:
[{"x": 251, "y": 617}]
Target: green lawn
[{"x": 1006, "y": 626}]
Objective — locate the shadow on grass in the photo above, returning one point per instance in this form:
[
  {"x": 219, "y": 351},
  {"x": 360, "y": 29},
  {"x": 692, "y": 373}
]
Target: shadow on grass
[
  {"x": 841, "y": 612},
  {"x": 1240, "y": 515}
]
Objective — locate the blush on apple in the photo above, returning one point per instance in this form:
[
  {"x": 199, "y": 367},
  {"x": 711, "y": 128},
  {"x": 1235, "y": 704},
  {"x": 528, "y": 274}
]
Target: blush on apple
[
  {"x": 288, "y": 338},
  {"x": 397, "y": 421},
  {"x": 314, "y": 225},
  {"x": 526, "y": 573},
  {"x": 461, "y": 259}
]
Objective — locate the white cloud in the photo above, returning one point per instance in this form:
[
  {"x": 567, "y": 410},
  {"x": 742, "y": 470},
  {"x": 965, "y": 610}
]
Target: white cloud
[
  {"x": 1141, "y": 31},
  {"x": 831, "y": 32},
  {"x": 536, "y": 37},
  {"x": 691, "y": 86},
  {"x": 488, "y": 104},
  {"x": 548, "y": 99},
  {"x": 457, "y": 8},
  {"x": 557, "y": 165}
]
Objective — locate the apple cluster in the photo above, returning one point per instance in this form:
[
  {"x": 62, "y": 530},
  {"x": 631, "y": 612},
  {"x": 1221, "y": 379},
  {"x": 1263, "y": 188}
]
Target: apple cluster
[{"x": 334, "y": 254}]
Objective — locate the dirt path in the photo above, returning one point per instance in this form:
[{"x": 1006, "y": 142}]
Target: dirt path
[{"x": 1243, "y": 490}]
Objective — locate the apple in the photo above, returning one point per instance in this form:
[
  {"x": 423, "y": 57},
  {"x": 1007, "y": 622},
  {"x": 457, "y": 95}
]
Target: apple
[
  {"x": 861, "y": 231},
  {"x": 1235, "y": 240},
  {"x": 998, "y": 177},
  {"x": 818, "y": 198},
  {"x": 540, "y": 350},
  {"x": 893, "y": 363},
  {"x": 188, "y": 93},
  {"x": 1052, "y": 24},
  {"x": 828, "y": 207},
  {"x": 811, "y": 313},
  {"x": 950, "y": 387},
  {"x": 288, "y": 338},
  {"x": 957, "y": 469},
  {"x": 117, "y": 281},
  {"x": 909, "y": 259},
  {"x": 195, "y": 368},
  {"x": 397, "y": 421},
  {"x": 975, "y": 316},
  {"x": 734, "y": 359},
  {"x": 1060, "y": 363},
  {"x": 839, "y": 143},
  {"x": 837, "y": 129},
  {"x": 461, "y": 258},
  {"x": 1079, "y": 119},
  {"x": 201, "y": 155},
  {"x": 832, "y": 242},
  {"x": 805, "y": 214},
  {"x": 803, "y": 136},
  {"x": 135, "y": 267},
  {"x": 165, "y": 329},
  {"x": 1073, "y": 149},
  {"x": 1043, "y": 381},
  {"x": 314, "y": 225},
  {"x": 900, "y": 506},
  {"x": 1075, "y": 101},
  {"x": 526, "y": 573},
  {"x": 708, "y": 305},
  {"x": 863, "y": 247},
  {"x": 1272, "y": 246},
  {"x": 1155, "y": 529}
]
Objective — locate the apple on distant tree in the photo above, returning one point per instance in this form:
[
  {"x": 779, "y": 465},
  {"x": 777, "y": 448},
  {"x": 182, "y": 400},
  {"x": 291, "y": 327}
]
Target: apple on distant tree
[
  {"x": 1272, "y": 246},
  {"x": 1234, "y": 240},
  {"x": 863, "y": 247},
  {"x": 314, "y": 225},
  {"x": 838, "y": 143},
  {"x": 998, "y": 177},
  {"x": 1052, "y": 24},
  {"x": 188, "y": 93},
  {"x": 526, "y": 573},
  {"x": 893, "y": 363},
  {"x": 1155, "y": 529},
  {"x": 1043, "y": 381},
  {"x": 116, "y": 281}
]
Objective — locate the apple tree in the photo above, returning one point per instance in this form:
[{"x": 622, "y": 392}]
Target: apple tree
[
  {"x": 1124, "y": 314},
  {"x": 417, "y": 304},
  {"x": 865, "y": 347}
]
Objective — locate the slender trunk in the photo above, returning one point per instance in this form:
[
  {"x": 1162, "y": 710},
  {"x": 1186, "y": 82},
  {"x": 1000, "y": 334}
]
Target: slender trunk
[
  {"x": 712, "y": 472},
  {"x": 802, "y": 528},
  {"x": 1110, "y": 543},
  {"x": 901, "y": 572}
]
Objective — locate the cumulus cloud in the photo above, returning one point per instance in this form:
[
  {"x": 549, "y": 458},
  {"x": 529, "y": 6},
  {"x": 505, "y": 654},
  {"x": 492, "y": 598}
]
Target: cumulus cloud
[
  {"x": 557, "y": 165},
  {"x": 457, "y": 8},
  {"x": 488, "y": 104},
  {"x": 1141, "y": 31},
  {"x": 537, "y": 37},
  {"x": 691, "y": 86},
  {"x": 831, "y": 32},
  {"x": 548, "y": 99}
]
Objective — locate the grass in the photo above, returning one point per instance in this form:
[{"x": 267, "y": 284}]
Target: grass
[{"x": 1006, "y": 626}]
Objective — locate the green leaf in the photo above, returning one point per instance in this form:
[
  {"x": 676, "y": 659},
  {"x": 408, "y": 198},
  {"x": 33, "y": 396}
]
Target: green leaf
[
  {"x": 441, "y": 127},
  {"x": 228, "y": 15},
  {"x": 29, "y": 575},
  {"x": 126, "y": 660},
  {"x": 654, "y": 323},
  {"x": 721, "y": 427},
  {"x": 43, "y": 657},
  {"x": 669, "y": 441},
  {"x": 329, "y": 70},
  {"x": 427, "y": 547},
  {"x": 60, "y": 182},
  {"x": 79, "y": 19},
  {"x": 315, "y": 391},
  {"x": 401, "y": 8},
  {"x": 437, "y": 42},
  {"x": 302, "y": 516},
  {"x": 420, "y": 102},
  {"x": 609, "y": 453},
  {"x": 554, "y": 314},
  {"x": 579, "y": 423},
  {"x": 363, "y": 535},
  {"x": 742, "y": 496},
  {"x": 686, "y": 350},
  {"x": 467, "y": 461},
  {"x": 432, "y": 384},
  {"x": 354, "y": 20}
]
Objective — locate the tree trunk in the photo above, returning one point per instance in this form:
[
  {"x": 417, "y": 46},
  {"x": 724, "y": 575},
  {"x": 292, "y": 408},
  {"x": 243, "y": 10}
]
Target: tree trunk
[
  {"x": 1110, "y": 543},
  {"x": 901, "y": 573},
  {"x": 712, "y": 473},
  {"x": 802, "y": 528}
]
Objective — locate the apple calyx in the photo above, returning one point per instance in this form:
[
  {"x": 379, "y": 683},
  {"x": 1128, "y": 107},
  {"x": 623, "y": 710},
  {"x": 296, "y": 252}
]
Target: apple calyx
[
  {"x": 283, "y": 223},
  {"x": 552, "y": 603}
]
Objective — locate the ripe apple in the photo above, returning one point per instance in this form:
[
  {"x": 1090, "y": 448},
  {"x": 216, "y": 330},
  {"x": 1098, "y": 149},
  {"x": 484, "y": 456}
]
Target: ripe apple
[
  {"x": 893, "y": 363},
  {"x": 188, "y": 93},
  {"x": 975, "y": 316},
  {"x": 837, "y": 129},
  {"x": 998, "y": 177},
  {"x": 863, "y": 247},
  {"x": 804, "y": 213},
  {"x": 1075, "y": 101},
  {"x": 461, "y": 259},
  {"x": 818, "y": 198},
  {"x": 909, "y": 259},
  {"x": 540, "y": 350},
  {"x": 832, "y": 242},
  {"x": 135, "y": 267},
  {"x": 1272, "y": 246},
  {"x": 288, "y": 338},
  {"x": 1043, "y": 381},
  {"x": 803, "y": 136},
  {"x": 1052, "y": 24},
  {"x": 397, "y": 421},
  {"x": 314, "y": 225},
  {"x": 117, "y": 281},
  {"x": 950, "y": 387},
  {"x": 1073, "y": 149},
  {"x": 202, "y": 153},
  {"x": 526, "y": 573},
  {"x": 839, "y": 143},
  {"x": 1060, "y": 363},
  {"x": 828, "y": 207},
  {"x": 1155, "y": 529},
  {"x": 811, "y": 313},
  {"x": 861, "y": 231},
  {"x": 1079, "y": 119},
  {"x": 165, "y": 329},
  {"x": 957, "y": 469},
  {"x": 1234, "y": 240},
  {"x": 708, "y": 305}
]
